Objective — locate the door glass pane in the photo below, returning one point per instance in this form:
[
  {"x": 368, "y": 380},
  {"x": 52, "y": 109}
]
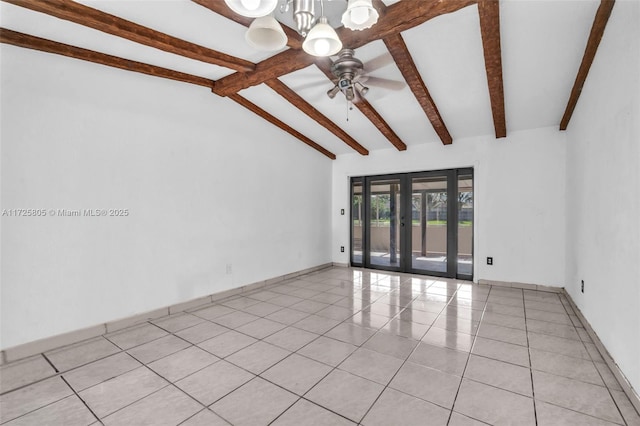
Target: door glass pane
[
  {"x": 465, "y": 224},
  {"x": 357, "y": 216},
  {"x": 384, "y": 223},
  {"x": 429, "y": 223}
]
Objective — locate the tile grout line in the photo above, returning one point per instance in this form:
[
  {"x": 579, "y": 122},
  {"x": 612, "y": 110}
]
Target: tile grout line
[
  {"x": 148, "y": 342},
  {"x": 82, "y": 400},
  {"x": 570, "y": 356},
  {"x": 169, "y": 383},
  {"x": 394, "y": 375},
  {"x": 475, "y": 336},
  {"x": 526, "y": 332},
  {"x": 333, "y": 368},
  {"x": 388, "y": 291},
  {"x": 360, "y": 346},
  {"x": 57, "y": 373},
  {"x": 4, "y": 421},
  {"x": 289, "y": 355},
  {"x": 606, "y": 386},
  {"x": 195, "y": 414},
  {"x": 407, "y": 358},
  {"x": 50, "y": 363}
]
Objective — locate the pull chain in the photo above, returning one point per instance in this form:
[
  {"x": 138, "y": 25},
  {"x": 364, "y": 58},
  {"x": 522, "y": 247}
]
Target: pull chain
[{"x": 349, "y": 108}]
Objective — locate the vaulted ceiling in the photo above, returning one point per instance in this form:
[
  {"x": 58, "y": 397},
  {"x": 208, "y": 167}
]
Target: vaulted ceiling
[{"x": 469, "y": 67}]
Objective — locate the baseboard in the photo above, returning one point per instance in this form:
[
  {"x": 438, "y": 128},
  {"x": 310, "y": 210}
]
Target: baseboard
[
  {"x": 608, "y": 359},
  {"x": 48, "y": 343},
  {"x": 523, "y": 286}
]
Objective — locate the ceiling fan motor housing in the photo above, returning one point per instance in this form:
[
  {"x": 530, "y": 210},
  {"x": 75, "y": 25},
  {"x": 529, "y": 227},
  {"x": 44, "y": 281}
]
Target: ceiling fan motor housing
[
  {"x": 347, "y": 66},
  {"x": 347, "y": 69}
]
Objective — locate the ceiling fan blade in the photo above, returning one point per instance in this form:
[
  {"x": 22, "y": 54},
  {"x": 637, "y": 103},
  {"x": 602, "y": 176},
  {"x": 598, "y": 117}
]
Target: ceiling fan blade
[
  {"x": 313, "y": 84},
  {"x": 383, "y": 83},
  {"x": 378, "y": 62}
]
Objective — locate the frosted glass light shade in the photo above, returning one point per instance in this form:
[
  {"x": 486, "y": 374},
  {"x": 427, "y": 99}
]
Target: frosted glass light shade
[
  {"x": 252, "y": 8},
  {"x": 265, "y": 33},
  {"x": 360, "y": 15},
  {"x": 322, "y": 40}
]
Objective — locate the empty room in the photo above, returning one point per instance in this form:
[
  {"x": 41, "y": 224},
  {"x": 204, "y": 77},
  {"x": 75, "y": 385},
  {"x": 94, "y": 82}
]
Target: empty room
[{"x": 320, "y": 212}]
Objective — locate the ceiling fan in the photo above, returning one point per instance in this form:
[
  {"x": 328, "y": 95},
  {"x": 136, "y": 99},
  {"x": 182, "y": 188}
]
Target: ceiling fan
[{"x": 350, "y": 76}]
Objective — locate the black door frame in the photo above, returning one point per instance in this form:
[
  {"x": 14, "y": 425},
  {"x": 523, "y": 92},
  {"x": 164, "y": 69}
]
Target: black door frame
[
  {"x": 405, "y": 221},
  {"x": 366, "y": 234}
]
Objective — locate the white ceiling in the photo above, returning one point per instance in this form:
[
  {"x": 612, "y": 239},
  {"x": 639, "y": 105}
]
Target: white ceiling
[{"x": 542, "y": 46}]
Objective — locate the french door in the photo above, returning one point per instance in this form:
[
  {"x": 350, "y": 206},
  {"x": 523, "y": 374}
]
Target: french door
[{"x": 414, "y": 222}]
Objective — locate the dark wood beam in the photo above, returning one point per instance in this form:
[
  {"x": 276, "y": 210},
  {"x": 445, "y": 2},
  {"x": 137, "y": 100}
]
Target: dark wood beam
[
  {"x": 297, "y": 101},
  {"x": 273, "y": 120},
  {"x": 400, "y": 53},
  {"x": 489, "y": 11},
  {"x": 365, "y": 107},
  {"x": 44, "y": 45},
  {"x": 283, "y": 63},
  {"x": 369, "y": 111},
  {"x": 110, "y": 24},
  {"x": 380, "y": 7},
  {"x": 597, "y": 30},
  {"x": 294, "y": 39},
  {"x": 398, "y": 17}
]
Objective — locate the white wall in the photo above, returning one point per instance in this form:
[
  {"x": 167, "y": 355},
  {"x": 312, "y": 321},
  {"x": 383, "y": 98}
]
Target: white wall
[
  {"x": 203, "y": 187},
  {"x": 519, "y": 199},
  {"x": 603, "y": 192}
]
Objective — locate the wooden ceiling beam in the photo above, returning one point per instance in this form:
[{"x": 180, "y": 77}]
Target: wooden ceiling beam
[
  {"x": 36, "y": 43},
  {"x": 400, "y": 53},
  {"x": 365, "y": 107},
  {"x": 376, "y": 119},
  {"x": 110, "y": 24},
  {"x": 297, "y": 101},
  {"x": 396, "y": 18},
  {"x": 399, "y": 17},
  {"x": 294, "y": 40},
  {"x": 489, "y": 11},
  {"x": 281, "y": 64},
  {"x": 278, "y": 123},
  {"x": 597, "y": 30}
]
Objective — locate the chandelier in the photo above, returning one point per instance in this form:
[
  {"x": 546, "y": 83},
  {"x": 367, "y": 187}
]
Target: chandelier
[{"x": 320, "y": 39}]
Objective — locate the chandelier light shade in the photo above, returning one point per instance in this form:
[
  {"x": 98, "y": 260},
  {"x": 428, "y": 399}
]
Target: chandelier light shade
[
  {"x": 322, "y": 40},
  {"x": 266, "y": 34},
  {"x": 252, "y": 8},
  {"x": 360, "y": 15}
]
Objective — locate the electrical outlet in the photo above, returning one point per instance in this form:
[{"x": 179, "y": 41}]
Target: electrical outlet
[
  {"x": 489, "y": 260},
  {"x": 582, "y": 286},
  {"x": 341, "y": 249}
]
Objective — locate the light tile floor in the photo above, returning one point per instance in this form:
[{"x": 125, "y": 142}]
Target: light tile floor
[{"x": 337, "y": 347}]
